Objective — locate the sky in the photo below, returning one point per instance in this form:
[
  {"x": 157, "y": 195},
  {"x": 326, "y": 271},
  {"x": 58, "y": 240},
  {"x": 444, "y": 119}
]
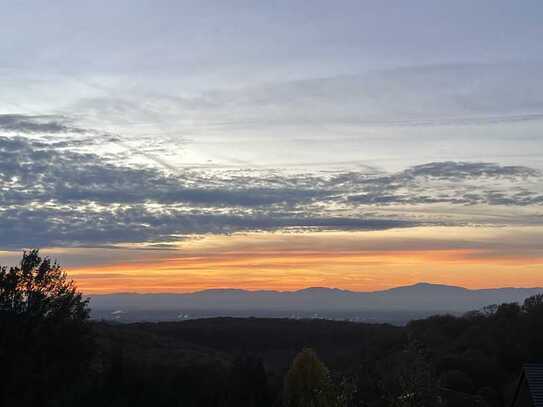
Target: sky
[{"x": 175, "y": 146}]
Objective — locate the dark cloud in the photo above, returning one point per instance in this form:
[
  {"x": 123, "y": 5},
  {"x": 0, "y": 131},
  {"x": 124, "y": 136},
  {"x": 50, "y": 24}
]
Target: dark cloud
[
  {"x": 36, "y": 124},
  {"x": 29, "y": 227},
  {"x": 34, "y": 172},
  {"x": 465, "y": 183},
  {"x": 64, "y": 198},
  {"x": 463, "y": 170},
  {"x": 50, "y": 197}
]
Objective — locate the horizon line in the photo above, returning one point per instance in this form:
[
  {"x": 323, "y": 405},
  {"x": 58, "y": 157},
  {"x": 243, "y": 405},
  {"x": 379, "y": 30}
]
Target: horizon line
[{"x": 420, "y": 283}]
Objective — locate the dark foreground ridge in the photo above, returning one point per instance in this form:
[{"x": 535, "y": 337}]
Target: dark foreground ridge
[
  {"x": 468, "y": 360},
  {"x": 52, "y": 355}
]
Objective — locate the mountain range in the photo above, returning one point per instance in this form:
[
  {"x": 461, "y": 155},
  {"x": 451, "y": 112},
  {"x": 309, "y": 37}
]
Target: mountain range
[{"x": 423, "y": 297}]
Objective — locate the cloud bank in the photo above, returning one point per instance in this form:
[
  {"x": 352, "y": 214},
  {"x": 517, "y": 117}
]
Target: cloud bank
[{"x": 61, "y": 197}]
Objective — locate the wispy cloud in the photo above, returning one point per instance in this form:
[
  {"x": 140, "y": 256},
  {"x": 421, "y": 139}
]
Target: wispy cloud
[{"x": 423, "y": 95}]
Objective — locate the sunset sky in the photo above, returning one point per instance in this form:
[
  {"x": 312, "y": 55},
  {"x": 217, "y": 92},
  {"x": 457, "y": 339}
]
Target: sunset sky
[{"x": 174, "y": 146}]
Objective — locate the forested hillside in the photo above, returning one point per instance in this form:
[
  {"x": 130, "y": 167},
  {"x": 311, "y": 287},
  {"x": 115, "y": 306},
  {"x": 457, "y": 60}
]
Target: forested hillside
[{"x": 53, "y": 355}]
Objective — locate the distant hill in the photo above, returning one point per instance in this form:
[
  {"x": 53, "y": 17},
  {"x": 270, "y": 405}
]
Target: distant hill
[{"x": 421, "y": 297}]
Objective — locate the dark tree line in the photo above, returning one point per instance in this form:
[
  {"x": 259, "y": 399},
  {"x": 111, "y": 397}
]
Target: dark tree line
[
  {"x": 45, "y": 341},
  {"x": 52, "y": 355},
  {"x": 481, "y": 353}
]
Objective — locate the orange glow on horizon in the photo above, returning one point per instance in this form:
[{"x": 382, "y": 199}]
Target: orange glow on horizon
[{"x": 351, "y": 261}]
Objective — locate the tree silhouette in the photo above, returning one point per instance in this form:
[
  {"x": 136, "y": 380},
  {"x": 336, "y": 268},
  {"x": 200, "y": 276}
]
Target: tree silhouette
[
  {"x": 409, "y": 381},
  {"x": 45, "y": 342},
  {"x": 307, "y": 383}
]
